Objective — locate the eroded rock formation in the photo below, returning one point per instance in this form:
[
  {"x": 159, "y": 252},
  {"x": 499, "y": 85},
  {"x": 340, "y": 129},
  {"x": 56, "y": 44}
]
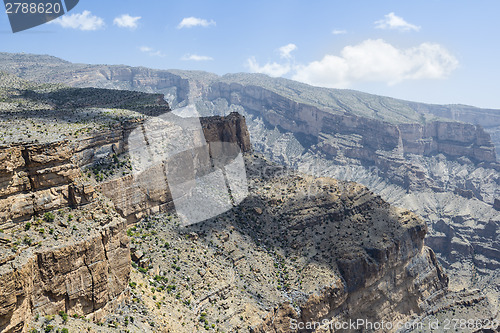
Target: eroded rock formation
[{"x": 85, "y": 274}]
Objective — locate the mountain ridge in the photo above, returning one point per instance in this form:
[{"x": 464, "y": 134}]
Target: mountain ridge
[
  {"x": 444, "y": 170},
  {"x": 15, "y": 63}
]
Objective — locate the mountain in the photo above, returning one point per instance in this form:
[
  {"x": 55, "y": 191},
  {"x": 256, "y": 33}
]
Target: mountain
[
  {"x": 82, "y": 236},
  {"x": 427, "y": 158},
  {"x": 174, "y": 84}
]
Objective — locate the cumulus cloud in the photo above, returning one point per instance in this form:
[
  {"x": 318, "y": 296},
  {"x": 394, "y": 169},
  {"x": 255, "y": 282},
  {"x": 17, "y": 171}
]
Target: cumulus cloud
[
  {"x": 285, "y": 51},
  {"x": 339, "y": 32},
  {"x": 274, "y": 68},
  {"x": 377, "y": 60},
  {"x": 196, "y": 57},
  {"x": 189, "y": 22},
  {"x": 151, "y": 51},
  {"x": 271, "y": 69},
  {"x": 84, "y": 21},
  {"x": 127, "y": 21},
  {"x": 391, "y": 21},
  {"x": 369, "y": 61}
]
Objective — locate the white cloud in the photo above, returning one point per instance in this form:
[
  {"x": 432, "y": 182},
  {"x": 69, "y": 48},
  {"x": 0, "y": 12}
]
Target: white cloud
[
  {"x": 195, "y": 57},
  {"x": 339, "y": 32},
  {"x": 377, "y": 60},
  {"x": 189, "y": 22},
  {"x": 127, "y": 21},
  {"x": 151, "y": 51},
  {"x": 391, "y": 21},
  {"x": 84, "y": 21},
  {"x": 271, "y": 69},
  {"x": 285, "y": 51}
]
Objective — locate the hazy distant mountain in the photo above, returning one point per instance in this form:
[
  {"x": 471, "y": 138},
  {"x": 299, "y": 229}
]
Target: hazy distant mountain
[{"x": 45, "y": 68}]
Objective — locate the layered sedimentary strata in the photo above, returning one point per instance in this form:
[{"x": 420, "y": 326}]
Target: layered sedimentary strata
[
  {"x": 450, "y": 138},
  {"x": 376, "y": 252},
  {"x": 86, "y": 277},
  {"x": 297, "y": 249},
  {"x": 87, "y": 272},
  {"x": 134, "y": 198}
]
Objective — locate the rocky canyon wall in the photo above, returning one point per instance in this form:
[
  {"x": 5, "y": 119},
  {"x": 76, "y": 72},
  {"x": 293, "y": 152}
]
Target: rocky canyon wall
[
  {"x": 84, "y": 274},
  {"x": 450, "y": 138}
]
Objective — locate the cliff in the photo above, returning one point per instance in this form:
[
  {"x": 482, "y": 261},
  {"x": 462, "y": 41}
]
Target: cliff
[
  {"x": 77, "y": 260},
  {"x": 297, "y": 248},
  {"x": 82, "y": 270},
  {"x": 81, "y": 277},
  {"x": 133, "y": 199},
  {"x": 64, "y": 247},
  {"x": 383, "y": 269},
  {"x": 408, "y": 153},
  {"x": 453, "y": 139}
]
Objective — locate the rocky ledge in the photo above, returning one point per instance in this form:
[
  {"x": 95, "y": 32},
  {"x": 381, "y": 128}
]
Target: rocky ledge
[{"x": 63, "y": 244}]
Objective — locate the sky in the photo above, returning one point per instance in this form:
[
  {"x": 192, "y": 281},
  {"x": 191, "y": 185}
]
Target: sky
[{"x": 434, "y": 51}]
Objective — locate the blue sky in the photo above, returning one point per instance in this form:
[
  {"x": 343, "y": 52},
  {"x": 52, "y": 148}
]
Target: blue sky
[{"x": 430, "y": 51}]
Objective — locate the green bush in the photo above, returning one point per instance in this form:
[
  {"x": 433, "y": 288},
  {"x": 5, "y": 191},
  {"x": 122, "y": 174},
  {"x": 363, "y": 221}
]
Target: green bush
[
  {"x": 27, "y": 240},
  {"x": 48, "y": 217},
  {"x": 63, "y": 315},
  {"x": 27, "y": 226}
]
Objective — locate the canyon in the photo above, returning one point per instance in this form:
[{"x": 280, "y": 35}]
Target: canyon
[
  {"x": 440, "y": 161},
  {"x": 445, "y": 171}
]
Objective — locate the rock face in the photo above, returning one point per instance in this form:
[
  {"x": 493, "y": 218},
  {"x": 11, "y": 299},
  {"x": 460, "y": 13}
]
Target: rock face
[
  {"x": 39, "y": 178},
  {"x": 89, "y": 275},
  {"x": 298, "y": 248},
  {"x": 84, "y": 278},
  {"x": 445, "y": 171},
  {"x": 383, "y": 269},
  {"x": 453, "y": 139},
  {"x": 134, "y": 199}
]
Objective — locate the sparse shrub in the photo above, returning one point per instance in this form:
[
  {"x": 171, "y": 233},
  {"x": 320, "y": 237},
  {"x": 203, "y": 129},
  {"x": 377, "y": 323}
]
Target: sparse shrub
[
  {"x": 27, "y": 240},
  {"x": 64, "y": 316},
  {"x": 48, "y": 217},
  {"x": 27, "y": 226}
]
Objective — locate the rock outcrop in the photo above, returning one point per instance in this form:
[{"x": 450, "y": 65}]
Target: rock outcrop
[
  {"x": 297, "y": 249},
  {"x": 85, "y": 278},
  {"x": 134, "y": 199},
  {"x": 85, "y": 275}
]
